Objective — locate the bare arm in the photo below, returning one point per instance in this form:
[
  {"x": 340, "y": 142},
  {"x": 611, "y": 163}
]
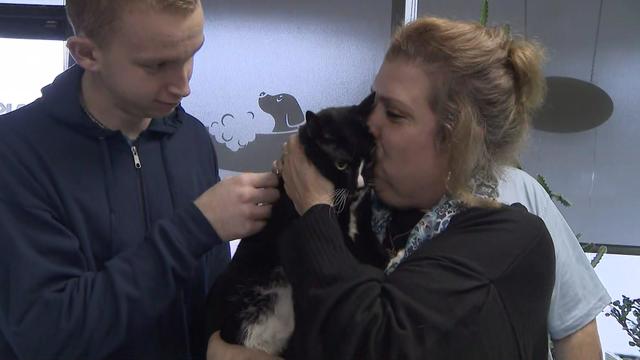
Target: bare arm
[{"x": 583, "y": 344}]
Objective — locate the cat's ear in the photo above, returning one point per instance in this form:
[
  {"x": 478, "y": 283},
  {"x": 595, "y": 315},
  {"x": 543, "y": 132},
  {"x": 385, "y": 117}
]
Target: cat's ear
[
  {"x": 367, "y": 104},
  {"x": 311, "y": 115},
  {"x": 312, "y": 122}
]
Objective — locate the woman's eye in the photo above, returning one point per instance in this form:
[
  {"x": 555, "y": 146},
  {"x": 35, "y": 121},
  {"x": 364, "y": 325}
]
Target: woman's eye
[
  {"x": 341, "y": 165},
  {"x": 150, "y": 68},
  {"x": 394, "y": 115}
]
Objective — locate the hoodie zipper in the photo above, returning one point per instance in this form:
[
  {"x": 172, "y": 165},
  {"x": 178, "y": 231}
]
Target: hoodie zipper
[
  {"x": 138, "y": 165},
  {"x": 136, "y": 157},
  {"x": 181, "y": 297}
]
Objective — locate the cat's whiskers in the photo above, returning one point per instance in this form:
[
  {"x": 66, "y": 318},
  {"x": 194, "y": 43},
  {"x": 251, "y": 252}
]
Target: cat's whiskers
[{"x": 340, "y": 197}]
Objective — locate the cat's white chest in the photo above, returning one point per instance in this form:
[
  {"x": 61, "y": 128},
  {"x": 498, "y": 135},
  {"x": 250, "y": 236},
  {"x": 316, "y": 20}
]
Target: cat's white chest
[{"x": 272, "y": 331}]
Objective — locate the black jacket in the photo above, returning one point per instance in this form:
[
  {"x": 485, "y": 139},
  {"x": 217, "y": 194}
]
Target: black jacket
[
  {"x": 100, "y": 259},
  {"x": 479, "y": 290}
]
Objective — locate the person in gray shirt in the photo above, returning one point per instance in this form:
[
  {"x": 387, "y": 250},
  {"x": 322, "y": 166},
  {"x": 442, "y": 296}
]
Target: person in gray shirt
[{"x": 578, "y": 295}]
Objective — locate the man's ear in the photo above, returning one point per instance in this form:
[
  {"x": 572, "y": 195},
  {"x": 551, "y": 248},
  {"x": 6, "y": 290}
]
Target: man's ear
[{"x": 84, "y": 52}]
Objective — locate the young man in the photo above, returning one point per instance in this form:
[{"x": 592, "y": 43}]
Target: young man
[{"x": 113, "y": 221}]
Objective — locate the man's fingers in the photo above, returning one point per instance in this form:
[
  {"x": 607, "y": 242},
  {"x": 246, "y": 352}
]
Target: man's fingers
[
  {"x": 257, "y": 226},
  {"x": 263, "y": 180},
  {"x": 261, "y": 212},
  {"x": 262, "y": 196},
  {"x": 267, "y": 196}
]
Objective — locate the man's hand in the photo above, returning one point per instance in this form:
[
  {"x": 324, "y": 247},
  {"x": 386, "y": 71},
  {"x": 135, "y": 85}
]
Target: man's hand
[
  {"x": 583, "y": 344},
  {"x": 217, "y": 349},
  {"x": 239, "y": 206}
]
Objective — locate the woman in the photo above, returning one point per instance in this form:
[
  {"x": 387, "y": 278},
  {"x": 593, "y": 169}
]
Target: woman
[{"x": 465, "y": 277}]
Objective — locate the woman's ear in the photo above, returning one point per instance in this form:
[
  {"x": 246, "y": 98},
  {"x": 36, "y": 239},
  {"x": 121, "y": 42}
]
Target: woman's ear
[
  {"x": 445, "y": 136},
  {"x": 83, "y": 51}
]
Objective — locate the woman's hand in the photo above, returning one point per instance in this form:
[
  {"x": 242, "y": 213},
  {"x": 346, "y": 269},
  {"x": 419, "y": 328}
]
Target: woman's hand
[
  {"x": 304, "y": 184},
  {"x": 217, "y": 349}
]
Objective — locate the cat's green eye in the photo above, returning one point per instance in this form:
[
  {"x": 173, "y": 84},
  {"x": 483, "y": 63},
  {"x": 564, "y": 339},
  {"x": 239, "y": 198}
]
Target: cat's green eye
[{"x": 341, "y": 165}]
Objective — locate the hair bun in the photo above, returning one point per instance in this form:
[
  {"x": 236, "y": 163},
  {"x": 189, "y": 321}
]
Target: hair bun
[{"x": 526, "y": 58}]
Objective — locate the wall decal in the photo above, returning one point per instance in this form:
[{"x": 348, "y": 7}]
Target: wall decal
[
  {"x": 572, "y": 105},
  {"x": 285, "y": 111},
  {"x": 247, "y": 142}
]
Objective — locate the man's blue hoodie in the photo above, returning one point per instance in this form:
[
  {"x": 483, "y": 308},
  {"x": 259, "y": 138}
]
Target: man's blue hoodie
[{"x": 103, "y": 256}]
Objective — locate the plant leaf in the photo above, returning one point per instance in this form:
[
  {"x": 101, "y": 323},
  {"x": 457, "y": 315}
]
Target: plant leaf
[{"x": 484, "y": 12}]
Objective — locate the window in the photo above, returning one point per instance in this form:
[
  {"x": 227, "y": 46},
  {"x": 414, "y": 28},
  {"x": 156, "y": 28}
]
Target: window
[
  {"x": 33, "y": 21},
  {"x": 25, "y": 67},
  {"x": 33, "y": 2},
  {"x": 32, "y": 35}
]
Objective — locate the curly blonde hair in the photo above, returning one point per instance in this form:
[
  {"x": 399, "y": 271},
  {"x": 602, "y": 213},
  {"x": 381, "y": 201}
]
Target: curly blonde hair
[
  {"x": 95, "y": 19},
  {"x": 487, "y": 85}
]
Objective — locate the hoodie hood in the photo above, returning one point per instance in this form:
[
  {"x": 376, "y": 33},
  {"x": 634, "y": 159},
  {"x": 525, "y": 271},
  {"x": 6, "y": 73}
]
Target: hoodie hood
[{"x": 68, "y": 110}]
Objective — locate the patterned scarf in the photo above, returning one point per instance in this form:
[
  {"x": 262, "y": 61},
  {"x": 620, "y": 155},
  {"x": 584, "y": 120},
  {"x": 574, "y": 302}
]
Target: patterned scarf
[{"x": 432, "y": 223}]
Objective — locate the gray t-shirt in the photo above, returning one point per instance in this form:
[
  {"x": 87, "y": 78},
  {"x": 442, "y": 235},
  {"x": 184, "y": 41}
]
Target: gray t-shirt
[{"x": 578, "y": 295}]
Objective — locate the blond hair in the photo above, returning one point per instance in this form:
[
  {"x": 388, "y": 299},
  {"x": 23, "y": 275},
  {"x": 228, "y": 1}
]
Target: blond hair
[
  {"x": 485, "y": 86},
  {"x": 95, "y": 19}
]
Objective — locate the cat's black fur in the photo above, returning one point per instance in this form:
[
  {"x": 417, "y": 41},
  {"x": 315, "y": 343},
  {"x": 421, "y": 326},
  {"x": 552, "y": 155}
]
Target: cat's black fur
[{"x": 337, "y": 142}]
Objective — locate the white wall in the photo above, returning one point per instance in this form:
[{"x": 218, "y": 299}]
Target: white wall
[{"x": 324, "y": 53}]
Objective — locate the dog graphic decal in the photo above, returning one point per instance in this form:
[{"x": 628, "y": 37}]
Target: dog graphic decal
[{"x": 249, "y": 141}]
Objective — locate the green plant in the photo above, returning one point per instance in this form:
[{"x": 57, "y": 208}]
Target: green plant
[
  {"x": 484, "y": 16},
  {"x": 591, "y": 248},
  {"x": 624, "y": 312},
  {"x": 587, "y": 248},
  {"x": 600, "y": 250},
  {"x": 554, "y": 196},
  {"x": 484, "y": 12}
]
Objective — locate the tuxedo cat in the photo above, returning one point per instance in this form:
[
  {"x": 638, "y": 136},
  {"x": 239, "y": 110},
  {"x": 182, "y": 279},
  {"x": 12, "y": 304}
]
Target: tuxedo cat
[{"x": 251, "y": 302}]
